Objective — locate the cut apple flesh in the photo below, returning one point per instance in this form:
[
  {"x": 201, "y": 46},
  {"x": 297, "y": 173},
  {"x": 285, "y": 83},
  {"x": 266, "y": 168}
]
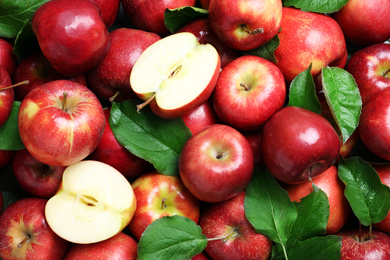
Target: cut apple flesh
[
  {"x": 94, "y": 203},
  {"x": 176, "y": 69}
]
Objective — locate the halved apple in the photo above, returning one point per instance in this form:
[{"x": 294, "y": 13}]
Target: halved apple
[
  {"x": 94, "y": 203},
  {"x": 175, "y": 74}
]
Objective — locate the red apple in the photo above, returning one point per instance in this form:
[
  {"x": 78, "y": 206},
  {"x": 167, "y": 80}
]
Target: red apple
[
  {"x": 205, "y": 4},
  {"x": 149, "y": 15},
  {"x": 364, "y": 246},
  {"x": 383, "y": 171},
  {"x": 34, "y": 177},
  {"x": 216, "y": 163},
  {"x": 71, "y": 35},
  {"x": 110, "y": 78},
  {"x": 61, "y": 122},
  {"x": 6, "y": 158},
  {"x": 239, "y": 240},
  {"x": 370, "y": 68},
  {"x": 249, "y": 91},
  {"x": 328, "y": 182},
  {"x": 254, "y": 139},
  {"x": 37, "y": 70},
  {"x": 25, "y": 234},
  {"x": 374, "y": 126},
  {"x": 245, "y": 25},
  {"x": 202, "y": 30},
  {"x": 7, "y": 57},
  {"x": 309, "y": 38},
  {"x": 7, "y": 96},
  {"x": 111, "y": 152},
  {"x": 298, "y": 145},
  {"x": 365, "y": 22},
  {"x": 109, "y": 10},
  {"x": 120, "y": 246},
  {"x": 161, "y": 195}
]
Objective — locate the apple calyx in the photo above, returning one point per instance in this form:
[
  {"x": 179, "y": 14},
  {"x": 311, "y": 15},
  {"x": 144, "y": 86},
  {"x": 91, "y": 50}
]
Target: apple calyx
[
  {"x": 25, "y": 82},
  {"x": 254, "y": 32}
]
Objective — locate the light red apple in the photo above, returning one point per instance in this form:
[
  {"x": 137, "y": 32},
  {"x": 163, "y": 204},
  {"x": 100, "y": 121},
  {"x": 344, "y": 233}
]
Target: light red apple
[
  {"x": 7, "y": 96},
  {"x": 216, "y": 163},
  {"x": 245, "y": 25},
  {"x": 383, "y": 171},
  {"x": 61, "y": 122},
  {"x": 25, "y": 234},
  {"x": 7, "y": 57},
  {"x": 161, "y": 195},
  {"x": 238, "y": 238},
  {"x": 249, "y": 90}
]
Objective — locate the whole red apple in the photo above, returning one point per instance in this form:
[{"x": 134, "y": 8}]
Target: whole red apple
[
  {"x": 216, "y": 163},
  {"x": 239, "y": 240},
  {"x": 6, "y": 158},
  {"x": 362, "y": 245},
  {"x": 298, "y": 145},
  {"x": 110, "y": 78},
  {"x": 160, "y": 195},
  {"x": 111, "y": 152},
  {"x": 365, "y": 22},
  {"x": 61, "y": 122},
  {"x": 328, "y": 182},
  {"x": 309, "y": 38},
  {"x": 37, "y": 70},
  {"x": 374, "y": 126},
  {"x": 245, "y": 25},
  {"x": 7, "y": 57},
  {"x": 249, "y": 90},
  {"x": 34, "y": 177},
  {"x": 7, "y": 96},
  {"x": 109, "y": 10},
  {"x": 370, "y": 68},
  {"x": 383, "y": 171},
  {"x": 120, "y": 246},
  {"x": 71, "y": 35},
  {"x": 25, "y": 234},
  {"x": 149, "y": 15}
]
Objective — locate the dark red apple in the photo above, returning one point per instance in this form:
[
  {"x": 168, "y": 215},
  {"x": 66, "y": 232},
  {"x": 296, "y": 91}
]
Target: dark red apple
[
  {"x": 7, "y": 96},
  {"x": 7, "y": 57},
  {"x": 109, "y": 10},
  {"x": 383, "y": 171},
  {"x": 6, "y": 158}
]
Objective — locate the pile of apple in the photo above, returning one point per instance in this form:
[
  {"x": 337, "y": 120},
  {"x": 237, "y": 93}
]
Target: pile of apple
[{"x": 188, "y": 129}]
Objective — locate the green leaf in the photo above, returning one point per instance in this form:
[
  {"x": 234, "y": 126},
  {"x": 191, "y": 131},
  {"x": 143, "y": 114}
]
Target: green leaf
[
  {"x": 303, "y": 92},
  {"x": 325, "y": 247},
  {"x": 368, "y": 197},
  {"x": 9, "y": 132},
  {"x": 25, "y": 42},
  {"x": 266, "y": 50},
  {"x": 343, "y": 98},
  {"x": 318, "y": 6},
  {"x": 148, "y": 136},
  {"x": 176, "y": 18},
  {"x": 268, "y": 207},
  {"x": 171, "y": 237},
  {"x": 14, "y": 13}
]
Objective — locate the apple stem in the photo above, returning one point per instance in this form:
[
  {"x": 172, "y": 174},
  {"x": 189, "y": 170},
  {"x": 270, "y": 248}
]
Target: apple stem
[
  {"x": 254, "y": 32},
  {"x": 245, "y": 86},
  {"x": 140, "y": 106},
  {"x": 64, "y": 102},
  {"x": 387, "y": 73},
  {"x": 111, "y": 99},
  {"x": 16, "y": 85},
  {"x": 24, "y": 241},
  {"x": 163, "y": 205},
  {"x": 234, "y": 234}
]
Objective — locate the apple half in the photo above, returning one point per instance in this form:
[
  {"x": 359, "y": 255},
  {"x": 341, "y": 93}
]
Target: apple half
[
  {"x": 93, "y": 203},
  {"x": 175, "y": 74}
]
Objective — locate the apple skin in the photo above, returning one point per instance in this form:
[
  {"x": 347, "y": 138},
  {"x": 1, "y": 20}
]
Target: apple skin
[
  {"x": 6, "y": 158},
  {"x": 34, "y": 177},
  {"x": 254, "y": 139},
  {"x": 71, "y": 35},
  {"x": 109, "y": 10},
  {"x": 160, "y": 195},
  {"x": 298, "y": 144},
  {"x": 202, "y": 30},
  {"x": 365, "y": 22},
  {"x": 231, "y": 21},
  {"x": 374, "y": 127},
  {"x": 329, "y": 182},
  {"x": 57, "y": 136},
  {"x": 125, "y": 162},
  {"x": 37, "y": 70},
  {"x": 120, "y": 246},
  {"x": 383, "y": 171},
  {"x": 227, "y": 218},
  {"x": 248, "y": 92},
  {"x": 205, "y": 4},
  {"x": 7, "y": 96},
  {"x": 24, "y": 220},
  {"x": 370, "y": 68},
  {"x": 216, "y": 163},
  {"x": 1, "y": 202},
  {"x": 305, "y": 38},
  {"x": 378, "y": 247},
  {"x": 111, "y": 76},
  {"x": 7, "y": 57}
]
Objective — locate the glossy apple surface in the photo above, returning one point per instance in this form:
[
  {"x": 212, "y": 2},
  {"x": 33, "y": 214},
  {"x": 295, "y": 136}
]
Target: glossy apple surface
[
  {"x": 161, "y": 195},
  {"x": 25, "y": 234},
  {"x": 249, "y": 90},
  {"x": 216, "y": 163},
  {"x": 109, "y": 10},
  {"x": 7, "y": 96},
  {"x": 7, "y": 57},
  {"x": 298, "y": 144},
  {"x": 61, "y": 122},
  {"x": 239, "y": 240},
  {"x": 384, "y": 174},
  {"x": 78, "y": 38}
]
